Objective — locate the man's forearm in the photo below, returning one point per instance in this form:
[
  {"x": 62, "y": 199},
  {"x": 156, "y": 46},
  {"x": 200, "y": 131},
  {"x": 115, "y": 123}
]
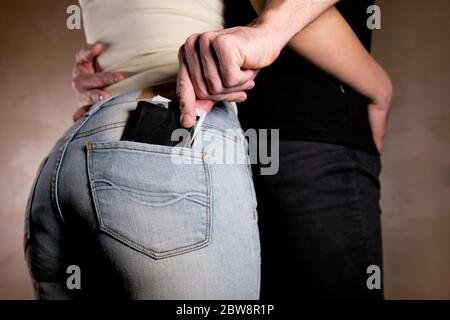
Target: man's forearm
[{"x": 285, "y": 18}]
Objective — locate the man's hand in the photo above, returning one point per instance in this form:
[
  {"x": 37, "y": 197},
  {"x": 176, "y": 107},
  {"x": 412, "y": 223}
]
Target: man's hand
[
  {"x": 221, "y": 65},
  {"x": 89, "y": 84}
]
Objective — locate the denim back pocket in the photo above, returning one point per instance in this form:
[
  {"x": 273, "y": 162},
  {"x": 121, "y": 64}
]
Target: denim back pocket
[{"x": 155, "y": 199}]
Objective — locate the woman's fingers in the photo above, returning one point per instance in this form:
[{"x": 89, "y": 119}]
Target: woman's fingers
[
  {"x": 88, "y": 84},
  {"x": 98, "y": 80},
  {"x": 85, "y": 57},
  {"x": 89, "y": 52},
  {"x": 378, "y": 119},
  {"x": 80, "y": 113},
  {"x": 90, "y": 97}
]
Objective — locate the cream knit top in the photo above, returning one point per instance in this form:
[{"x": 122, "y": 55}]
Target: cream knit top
[{"x": 143, "y": 36}]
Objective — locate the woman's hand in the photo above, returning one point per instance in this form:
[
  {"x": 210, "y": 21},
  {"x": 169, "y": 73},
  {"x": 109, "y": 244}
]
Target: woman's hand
[
  {"x": 378, "y": 111},
  {"x": 88, "y": 83}
]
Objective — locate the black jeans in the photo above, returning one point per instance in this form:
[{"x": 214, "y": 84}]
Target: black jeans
[{"x": 319, "y": 220}]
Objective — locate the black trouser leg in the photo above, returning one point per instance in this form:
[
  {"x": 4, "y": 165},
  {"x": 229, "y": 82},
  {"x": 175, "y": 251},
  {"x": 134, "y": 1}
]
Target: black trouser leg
[{"x": 320, "y": 223}]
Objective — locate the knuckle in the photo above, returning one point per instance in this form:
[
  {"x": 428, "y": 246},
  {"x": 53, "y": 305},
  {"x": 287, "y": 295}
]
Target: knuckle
[
  {"x": 190, "y": 42},
  {"x": 202, "y": 94},
  {"x": 220, "y": 41},
  {"x": 97, "y": 80},
  {"x": 93, "y": 97},
  {"x": 237, "y": 96},
  {"x": 249, "y": 85},
  {"x": 181, "y": 52},
  {"x": 181, "y": 87},
  {"x": 213, "y": 86},
  {"x": 205, "y": 39},
  {"x": 76, "y": 83},
  {"x": 82, "y": 99},
  {"x": 107, "y": 78},
  {"x": 90, "y": 99},
  {"x": 230, "y": 80},
  {"x": 184, "y": 103}
]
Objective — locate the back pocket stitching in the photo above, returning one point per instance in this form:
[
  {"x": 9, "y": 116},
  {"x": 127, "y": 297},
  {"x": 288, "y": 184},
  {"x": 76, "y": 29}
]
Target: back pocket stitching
[
  {"x": 152, "y": 253},
  {"x": 178, "y": 196}
]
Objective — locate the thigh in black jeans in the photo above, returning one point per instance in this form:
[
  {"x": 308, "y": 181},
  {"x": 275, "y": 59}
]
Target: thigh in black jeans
[{"x": 320, "y": 223}]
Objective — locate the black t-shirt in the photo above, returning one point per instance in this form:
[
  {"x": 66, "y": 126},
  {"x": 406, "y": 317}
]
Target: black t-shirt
[{"x": 299, "y": 99}]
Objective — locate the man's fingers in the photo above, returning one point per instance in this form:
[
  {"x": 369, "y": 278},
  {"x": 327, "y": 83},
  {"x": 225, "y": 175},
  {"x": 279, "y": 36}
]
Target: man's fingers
[
  {"x": 97, "y": 80},
  {"x": 210, "y": 64},
  {"x": 232, "y": 94},
  {"x": 212, "y": 74},
  {"x": 233, "y": 76},
  {"x": 236, "y": 97},
  {"x": 230, "y": 61},
  {"x": 185, "y": 92},
  {"x": 250, "y": 84},
  {"x": 89, "y": 52},
  {"x": 206, "y": 105},
  {"x": 194, "y": 65}
]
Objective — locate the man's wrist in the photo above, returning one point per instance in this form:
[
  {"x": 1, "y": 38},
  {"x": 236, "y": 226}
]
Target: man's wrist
[
  {"x": 274, "y": 30},
  {"x": 272, "y": 23},
  {"x": 283, "y": 19}
]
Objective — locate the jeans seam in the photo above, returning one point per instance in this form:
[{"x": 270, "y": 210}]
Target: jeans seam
[
  {"x": 222, "y": 132},
  {"x": 252, "y": 191},
  {"x": 31, "y": 200},
  {"x": 226, "y": 114},
  {"x": 100, "y": 129},
  {"x": 356, "y": 204},
  {"x": 62, "y": 151}
]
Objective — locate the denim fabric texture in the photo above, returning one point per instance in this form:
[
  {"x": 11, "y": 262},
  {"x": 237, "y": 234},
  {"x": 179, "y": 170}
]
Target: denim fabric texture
[{"x": 143, "y": 221}]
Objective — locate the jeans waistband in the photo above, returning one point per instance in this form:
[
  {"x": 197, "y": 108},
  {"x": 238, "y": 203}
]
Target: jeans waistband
[{"x": 222, "y": 117}]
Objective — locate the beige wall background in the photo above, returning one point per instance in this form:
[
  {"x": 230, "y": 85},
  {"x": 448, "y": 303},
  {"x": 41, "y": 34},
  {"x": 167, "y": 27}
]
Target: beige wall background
[
  {"x": 37, "y": 102},
  {"x": 414, "y": 47}
]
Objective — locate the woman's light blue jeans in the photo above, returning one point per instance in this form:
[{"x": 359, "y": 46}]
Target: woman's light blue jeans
[{"x": 118, "y": 219}]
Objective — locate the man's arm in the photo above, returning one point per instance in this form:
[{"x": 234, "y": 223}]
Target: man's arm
[
  {"x": 222, "y": 65},
  {"x": 283, "y": 19}
]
